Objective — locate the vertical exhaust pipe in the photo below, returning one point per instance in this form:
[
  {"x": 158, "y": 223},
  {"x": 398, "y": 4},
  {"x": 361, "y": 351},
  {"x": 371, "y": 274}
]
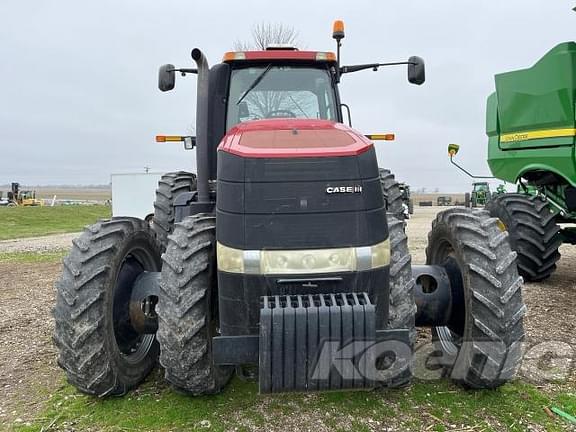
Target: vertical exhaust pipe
[{"x": 202, "y": 157}]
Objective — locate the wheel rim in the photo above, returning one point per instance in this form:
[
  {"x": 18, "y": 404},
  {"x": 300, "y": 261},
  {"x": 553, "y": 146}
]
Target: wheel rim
[
  {"x": 446, "y": 339},
  {"x": 132, "y": 345},
  {"x": 450, "y": 336}
]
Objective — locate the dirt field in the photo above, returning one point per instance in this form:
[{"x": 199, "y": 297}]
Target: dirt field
[{"x": 27, "y": 356}]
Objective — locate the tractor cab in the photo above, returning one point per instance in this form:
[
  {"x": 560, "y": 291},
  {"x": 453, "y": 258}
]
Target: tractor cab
[
  {"x": 480, "y": 194},
  {"x": 481, "y": 187},
  {"x": 281, "y": 83}
]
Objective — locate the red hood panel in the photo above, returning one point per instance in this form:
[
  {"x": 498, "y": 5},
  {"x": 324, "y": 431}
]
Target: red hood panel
[{"x": 281, "y": 138}]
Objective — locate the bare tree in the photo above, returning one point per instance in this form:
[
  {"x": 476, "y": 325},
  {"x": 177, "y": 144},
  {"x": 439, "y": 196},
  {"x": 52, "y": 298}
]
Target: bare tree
[{"x": 264, "y": 34}]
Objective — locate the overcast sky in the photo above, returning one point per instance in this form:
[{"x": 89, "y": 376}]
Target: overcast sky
[{"x": 78, "y": 78}]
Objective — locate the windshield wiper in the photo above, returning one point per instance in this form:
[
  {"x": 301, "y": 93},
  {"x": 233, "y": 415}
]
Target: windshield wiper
[{"x": 254, "y": 83}]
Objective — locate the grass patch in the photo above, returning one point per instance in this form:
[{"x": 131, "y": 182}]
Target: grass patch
[
  {"x": 32, "y": 257},
  {"x": 437, "y": 406},
  {"x": 19, "y": 222}
]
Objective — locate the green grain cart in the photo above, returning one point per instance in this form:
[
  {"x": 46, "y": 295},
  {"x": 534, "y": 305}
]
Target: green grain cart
[{"x": 531, "y": 128}]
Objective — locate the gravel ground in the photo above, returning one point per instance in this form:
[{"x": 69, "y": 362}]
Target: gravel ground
[
  {"x": 38, "y": 244},
  {"x": 28, "y": 358}
]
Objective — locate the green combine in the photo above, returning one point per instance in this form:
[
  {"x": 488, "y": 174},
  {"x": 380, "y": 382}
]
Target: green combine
[{"x": 531, "y": 127}]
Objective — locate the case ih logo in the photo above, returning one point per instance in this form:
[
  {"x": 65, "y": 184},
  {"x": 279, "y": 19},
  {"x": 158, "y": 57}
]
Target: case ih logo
[{"x": 343, "y": 189}]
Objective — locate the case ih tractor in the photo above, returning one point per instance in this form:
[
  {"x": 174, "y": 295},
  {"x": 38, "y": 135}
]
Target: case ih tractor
[
  {"x": 278, "y": 255},
  {"x": 531, "y": 129}
]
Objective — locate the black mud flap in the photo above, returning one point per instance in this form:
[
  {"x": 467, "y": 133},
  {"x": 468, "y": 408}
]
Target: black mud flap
[{"x": 316, "y": 342}]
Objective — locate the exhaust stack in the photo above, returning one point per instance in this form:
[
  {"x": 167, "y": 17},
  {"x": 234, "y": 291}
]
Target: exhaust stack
[{"x": 202, "y": 157}]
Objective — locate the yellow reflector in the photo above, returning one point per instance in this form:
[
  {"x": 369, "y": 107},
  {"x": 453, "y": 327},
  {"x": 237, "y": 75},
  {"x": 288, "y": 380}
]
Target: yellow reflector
[
  {"x": 381, "y": 137},
  {"x": 501, "y": 225},
  {"x": 169, "y": 138}
]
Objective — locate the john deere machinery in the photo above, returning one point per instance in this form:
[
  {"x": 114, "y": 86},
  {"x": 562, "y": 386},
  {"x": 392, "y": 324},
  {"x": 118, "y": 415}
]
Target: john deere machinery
[
  {"x": 282, "y": 253},
  {"x": 531, "y": 129},
  {"x": 480, "y": 194}
]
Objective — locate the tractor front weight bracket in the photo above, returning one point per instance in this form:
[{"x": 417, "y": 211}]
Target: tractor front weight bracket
[{"x": 305, "y": 341}]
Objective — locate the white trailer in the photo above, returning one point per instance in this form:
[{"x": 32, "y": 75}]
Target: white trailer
[{"x": 133, "y": 194}]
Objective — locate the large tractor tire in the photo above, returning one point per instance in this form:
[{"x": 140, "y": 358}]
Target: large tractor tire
[
  {"x": 402, "y": 307},
  {"x": 482, "y": 346},
  {"x": 392, "y": 194},
  {"x": 188, "y": 308},
  {"x": 99, "y": 348},
  {"x": 534, "y": 234},
  {"x": 169, "y": 187}
]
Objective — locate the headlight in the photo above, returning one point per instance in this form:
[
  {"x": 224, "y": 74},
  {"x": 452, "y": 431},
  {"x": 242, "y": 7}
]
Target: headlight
[
  {"x": 229, "y": 259},
  {"x": 381, "y": 254},
  {"x": 308, "y": 261}
]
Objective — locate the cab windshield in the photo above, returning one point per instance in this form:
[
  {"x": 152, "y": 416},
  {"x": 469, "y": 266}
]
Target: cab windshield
[
  {"x": 275, "y": 91},
  {"x": 481, "y": 187}
]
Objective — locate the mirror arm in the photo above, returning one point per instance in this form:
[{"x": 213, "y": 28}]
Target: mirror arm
[
  {"x": 468, "y": 173},
  {"x": 184, "y": 71},
  {"x": 348, "y": 111},
  {"x": 373, "y": 66}
]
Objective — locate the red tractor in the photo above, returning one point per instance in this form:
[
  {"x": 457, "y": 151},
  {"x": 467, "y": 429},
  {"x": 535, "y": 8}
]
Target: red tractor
[{"x": 283, "y": 254}]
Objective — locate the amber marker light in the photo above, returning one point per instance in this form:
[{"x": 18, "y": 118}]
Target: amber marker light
[{"x": 338, "y": 30}]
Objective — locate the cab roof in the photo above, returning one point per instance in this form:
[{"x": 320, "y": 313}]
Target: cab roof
[{"x": 279, "y": 54}]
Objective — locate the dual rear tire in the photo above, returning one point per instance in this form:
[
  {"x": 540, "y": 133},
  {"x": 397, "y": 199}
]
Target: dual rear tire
[
  {"x": 170, "y": 186},
  {"x": 392, "y": 194},
  {"x": 481, "y": 347}
]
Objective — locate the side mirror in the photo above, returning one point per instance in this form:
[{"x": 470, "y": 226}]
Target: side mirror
[
  {"x": 416, "y": 70},
  {"x": 166, "y": 77},
  {"x": 453, "y": 149}
]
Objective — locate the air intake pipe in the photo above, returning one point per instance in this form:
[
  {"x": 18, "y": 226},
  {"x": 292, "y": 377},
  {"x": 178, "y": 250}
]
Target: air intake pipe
[{"x": 202, "y": 157}]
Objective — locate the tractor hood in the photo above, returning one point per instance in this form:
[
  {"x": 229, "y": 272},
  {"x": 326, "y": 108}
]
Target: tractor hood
[{"x": 282, "y": 138}]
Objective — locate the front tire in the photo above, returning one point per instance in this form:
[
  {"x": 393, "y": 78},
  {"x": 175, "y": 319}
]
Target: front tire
[
  {"x": 534, "y": 234},
  {"x": 402, "y": 307},
  {"x": 481, "y": 348},
  {"x": 188, "y": 308},
  {"x": 99, "y": 348}
]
